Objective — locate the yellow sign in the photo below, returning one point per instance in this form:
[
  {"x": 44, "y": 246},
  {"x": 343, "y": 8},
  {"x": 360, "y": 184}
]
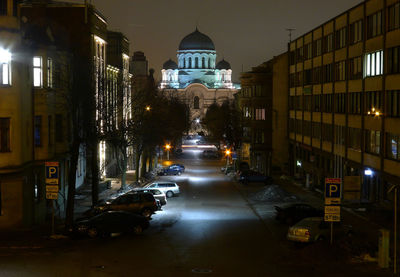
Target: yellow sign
[
  {"x": 51, "y": 195},
  {"x": 52, "y": 188},
  {"x": 332, "y": 213},
  {"x": 352, "y": 187},
  {"x": 52, "y": 172}
]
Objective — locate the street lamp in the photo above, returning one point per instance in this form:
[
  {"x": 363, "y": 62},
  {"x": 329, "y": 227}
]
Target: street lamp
[
  {"x": 148, "y": 108},
  {"x": 168, "y": 147},
  {"x": 227, "y": 154}
]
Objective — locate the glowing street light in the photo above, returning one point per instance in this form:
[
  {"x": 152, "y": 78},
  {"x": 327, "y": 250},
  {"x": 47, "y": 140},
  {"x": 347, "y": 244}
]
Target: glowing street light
[
  {"x": 227, "y": 154},
  {"x": 168, "y": 147},
  {"x": 148, "y": 108},
  {"x": 5, "y": 56}
]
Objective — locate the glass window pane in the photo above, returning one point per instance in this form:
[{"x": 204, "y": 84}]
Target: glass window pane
[
  {"x": 37, "y": 61},
  {"x": 5, "y": 77},
  {"x": 37, "y": 77}
]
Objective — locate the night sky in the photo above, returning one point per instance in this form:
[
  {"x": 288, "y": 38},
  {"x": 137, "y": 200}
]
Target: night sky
[{"x": 245, "y": 32}]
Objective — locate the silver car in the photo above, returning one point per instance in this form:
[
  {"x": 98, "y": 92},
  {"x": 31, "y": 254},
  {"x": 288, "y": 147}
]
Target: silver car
[
  {"x": 169, "y": 188},
  {"x": 157, "y": 193}
]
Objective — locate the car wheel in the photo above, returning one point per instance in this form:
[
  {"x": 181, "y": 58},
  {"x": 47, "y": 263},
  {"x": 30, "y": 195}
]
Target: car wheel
[
  {"x": 93, "y": 232},
  {"x": 146, "y": 213},
  {"x": 137, "y": 229},
  {"x": 169, "y": 194}
]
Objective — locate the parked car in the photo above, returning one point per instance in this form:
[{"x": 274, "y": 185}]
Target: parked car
[
  {"x": 140, "y": 203},
  {"x": 293, "y": 213},
  {"x": 111, "y": 222},
  {"x": 180, "y": 166},
  {"x": 251, "y": 176},
  {"x": 312, "y": 229},
  {"x": 174, "y": 170},
  {"x": 213, "y": 154},
  {"x": 158, "y": 194},
  {"x": 169, "y": 188}
]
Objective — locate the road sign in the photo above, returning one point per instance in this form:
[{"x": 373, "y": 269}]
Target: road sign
[
  {"x": 52, "y": 172},
  {"x": 332, "y": 190},
  {"x": 52, "y": 188},
  {"x": 51, "y": 195},
  {"x": 332, "y": 213}
]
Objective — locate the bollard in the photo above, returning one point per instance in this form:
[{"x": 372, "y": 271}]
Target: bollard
[{"x": 383, "y": 252}]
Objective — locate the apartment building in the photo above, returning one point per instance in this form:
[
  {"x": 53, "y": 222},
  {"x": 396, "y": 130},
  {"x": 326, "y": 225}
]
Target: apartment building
[
  {"x": 263, "y": 104},
  {"x": 344, "y": 108}
]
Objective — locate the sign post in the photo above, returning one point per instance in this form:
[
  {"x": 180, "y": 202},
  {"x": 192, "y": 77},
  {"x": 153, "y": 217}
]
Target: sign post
[
  {"x": 332, "y": 201},
  {"x": 52, "y": 170}
]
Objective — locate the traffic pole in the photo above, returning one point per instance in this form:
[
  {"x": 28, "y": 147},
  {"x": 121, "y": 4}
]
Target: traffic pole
[
  {"x": 395, "y": 233},
  {"x": 52, "y": 217}
]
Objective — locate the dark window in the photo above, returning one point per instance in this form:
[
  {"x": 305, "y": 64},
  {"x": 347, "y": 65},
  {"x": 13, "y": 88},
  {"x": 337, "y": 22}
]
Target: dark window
[
  {"x": 307, "y": 128},
  {"x": 307, "y": 77},
  {"x": 292, "y": 57},
  {"x": 38, "y": 130},
  {"x": 394, "y": 17},
  {"x": 308, "y": 51},
  {"x": 292, "y": 80},
  {"x": 374, "y": 25},
  {"x": 340, "y": 132},
  {"x": 317, "y": 75},
  {"x": 340, "y": 71},
  {"x": 196, "y": 62},
  {"x": 393, "y": 103},
  {"x": 299, "y": 79},
  {"x": 355, "y": 68},
  {"x": 356, "y": 31},
  {"x": 393, "y": 60},
  {"x": 3, "y": 7},
  {"x": 355, "y": 103},
  {"x": 372, "y": 141},
  {"x": 327, "y": 132},
  {"x": 340, "y": 103},
  {"x": 354, "y": 138},
  {"x": 327, "y": 73},
  {"x": 203, "y": 62},
  {"x": 317, "y": 47},
  {"x": 317, "y": 103},
  {"x": 328, "y": 43},
  {"x": 50, "y": 129},
  {"x": 291, "y": 125},
  {"x": 196, "y": 104},
  {"x": 299, "y": 54},
  {"x": 190, "y": 63},
  {"x": 298, "y": 126},
  {"x": 307, "y": 102},
  {"x": 373, "y": 102},
  {"x": 316, "y": 130},
  {"x": 341, "y": 38},
  {"x": 327, "y": 103},
  {"x": 59, "y": 128},
  {"x": 5, "y": 135}
]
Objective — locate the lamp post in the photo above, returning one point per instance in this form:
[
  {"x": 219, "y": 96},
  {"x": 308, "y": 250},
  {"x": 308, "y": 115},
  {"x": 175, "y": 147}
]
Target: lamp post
[
  {"x": 148, "y": 108},
  {"x": 168, "y": 147},
  {"x": 227, "y": 154}
]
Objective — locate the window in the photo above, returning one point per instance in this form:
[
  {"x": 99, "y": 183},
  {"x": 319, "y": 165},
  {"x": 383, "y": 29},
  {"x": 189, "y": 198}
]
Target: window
[
  {"x": 259, "y": 136},
  {"x": 374, "y": 25},
  {"x": 307, "y": 77},
  {"x": 355, "y": 103},
  {"x": 356, "y": 31},
  {"x": 354, "y": 138},
  {"x": 341, "y": 38},
  {"x": 328, "y": 43},
  {"x": 372, "y": 141},
  {"x": 317, "y": 75},
  {"x": 340, "y": 132},
  {"x": 308, "y": 51},
  {"x": 316, "y": 130},
  {"x": 50, "y": 73},
  {"x": 3, "y": 7},
  {"x": 260, "y": 114},
  {"x": 317, "y": 47},
  {"x": 394, "y": 17},
  {"x": 306, "y": 128},
  {"x": 5, "y": 64},
  {"x": 196, "y": 62},
  {"x": 373, "y": 64},
  {"x": 372, "y": 102},
  {"x": 393, "y": 60},
  {"x": 307, "y": 100},
  {"x": 59, "y": 128},
  {"x": 340, "y": 103},
  {"x": 355, "y": 68},
  {"x": 327, "y": 73},
  {"x": 299, "y": 54},
  {"x": 393, "y": 103},
  {"x": 327, "y": 132},
  {"x": 316, "y": 103},
  {"x": 392, "y": 146},
  {"x": 298, "y": 126},
  {"x": 37, "y": 72},
  {"x": 299, "y": 103},
  {"x": 292, "y": 80},
  {"x": 340, "y": 71},
  {"x": 38, "y": 130},
  {"x": 291, "y": 125},
  {"x": 5, "y": 135},
  {"x": 327, "y": 103},
  {"x": 196, "y": 104},
  {"x": 292, "y": 57},
  {"x": 299, "y": 79}
]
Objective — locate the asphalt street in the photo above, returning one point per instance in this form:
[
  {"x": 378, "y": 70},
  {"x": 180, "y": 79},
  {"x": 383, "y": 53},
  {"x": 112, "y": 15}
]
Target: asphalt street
[{"x": 209, "y": 229}]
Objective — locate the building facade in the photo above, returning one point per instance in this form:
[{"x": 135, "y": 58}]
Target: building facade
[
  {"x": 197, "y": 79},
  {"x": 262, "y": 101},
  {"x": 344, "y": 79}
]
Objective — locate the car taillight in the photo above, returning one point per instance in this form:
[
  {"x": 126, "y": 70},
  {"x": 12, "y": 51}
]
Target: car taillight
[{"x": 307, "y": 233}]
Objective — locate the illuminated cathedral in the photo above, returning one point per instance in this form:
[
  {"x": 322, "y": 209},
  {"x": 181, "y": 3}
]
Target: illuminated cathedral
[{"x": 197, "y": 78}]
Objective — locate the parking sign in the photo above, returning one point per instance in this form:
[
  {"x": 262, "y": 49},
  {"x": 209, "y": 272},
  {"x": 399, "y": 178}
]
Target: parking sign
[
  {"x": 52, "y": 172},
  {"x": 332, "y": 190}
]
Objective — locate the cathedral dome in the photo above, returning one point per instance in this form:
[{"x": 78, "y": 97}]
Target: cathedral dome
[
  {"x": 223, "y": 65},
  {"x": 170, "y": 64},
  {"x": 196, "y": 41}
]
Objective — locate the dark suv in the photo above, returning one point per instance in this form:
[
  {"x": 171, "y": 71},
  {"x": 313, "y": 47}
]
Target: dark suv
[{"x": 140, "y": 203}]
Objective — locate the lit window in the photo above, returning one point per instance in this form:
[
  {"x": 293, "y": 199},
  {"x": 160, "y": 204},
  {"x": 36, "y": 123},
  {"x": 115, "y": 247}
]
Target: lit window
[
  {"x": 37, "y": 72},
  {"x": 5, "y": 62},
  {"x": 49, "y": 72},
  {"x": 373, "y": 64},
  {"x": 260, "y": 114}
]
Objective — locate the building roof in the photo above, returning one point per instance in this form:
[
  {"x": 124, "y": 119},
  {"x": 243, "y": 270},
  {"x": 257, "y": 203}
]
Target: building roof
[
  {"x": 170, "y": 64},
  {"x": 196, "y": 41},
  {"x": 223, "y": 65}
]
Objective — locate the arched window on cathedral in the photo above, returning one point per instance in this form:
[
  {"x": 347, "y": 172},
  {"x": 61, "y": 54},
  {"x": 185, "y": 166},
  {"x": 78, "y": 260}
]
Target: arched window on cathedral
[
  {"x": 203, "y": 62},
  {"x": 196, "y": 104},
  {"x": 209, "y": 63},
  {"x": 196, "y": 62},
  {"x": 190, "y": 62}
]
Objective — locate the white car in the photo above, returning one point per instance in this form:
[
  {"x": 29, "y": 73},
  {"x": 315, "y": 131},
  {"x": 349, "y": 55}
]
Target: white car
[{"x": 169, "y": 188}]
